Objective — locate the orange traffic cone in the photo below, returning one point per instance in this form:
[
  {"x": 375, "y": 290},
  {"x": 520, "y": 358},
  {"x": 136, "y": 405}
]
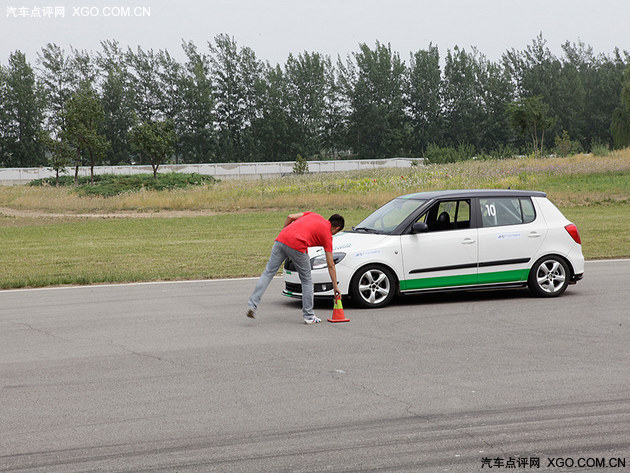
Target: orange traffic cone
[{"x": 338, "y": 312}]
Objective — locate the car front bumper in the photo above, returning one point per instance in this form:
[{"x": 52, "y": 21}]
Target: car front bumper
[
  {"x": 322, "y": 285},
  {"x": 319, "y": 290}
]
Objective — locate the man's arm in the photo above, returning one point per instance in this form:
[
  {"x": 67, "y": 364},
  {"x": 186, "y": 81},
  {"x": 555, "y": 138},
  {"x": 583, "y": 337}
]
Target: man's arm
[
  {"x": 292, "y": 218},
  {"x": 333, "y": 272}
]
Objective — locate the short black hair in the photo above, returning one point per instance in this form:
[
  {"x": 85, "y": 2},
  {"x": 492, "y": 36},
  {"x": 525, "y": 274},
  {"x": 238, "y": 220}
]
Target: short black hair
[{"x": 337, "y": 220}]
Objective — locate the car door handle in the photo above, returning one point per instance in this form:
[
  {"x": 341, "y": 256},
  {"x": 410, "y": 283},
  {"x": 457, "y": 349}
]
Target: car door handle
[
  {"x": 533, "y": 234},
  {"x": 467, "y": 241}
]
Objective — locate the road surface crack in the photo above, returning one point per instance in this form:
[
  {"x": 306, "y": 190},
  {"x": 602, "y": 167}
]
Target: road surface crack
[
  {"x": 39, "y": 330},
  {"x": 409, "y": 409},
  {"x": 145, "y": 355},
  {"x": 110, "y": 343}
]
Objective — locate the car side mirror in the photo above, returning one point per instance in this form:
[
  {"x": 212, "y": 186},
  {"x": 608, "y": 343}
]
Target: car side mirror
[{"x": 419, "y": 227}]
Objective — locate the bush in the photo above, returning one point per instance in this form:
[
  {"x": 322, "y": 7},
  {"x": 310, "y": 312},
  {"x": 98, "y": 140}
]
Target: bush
[
  {"x": 502, "y": 152},
  {"x": 108, "y": 185},
  {"x": 565, "y": 146},
  {"x": 435, "y": 154},
  {"x": 301, "y": 166},
  {"x": 599, "y": 149}
]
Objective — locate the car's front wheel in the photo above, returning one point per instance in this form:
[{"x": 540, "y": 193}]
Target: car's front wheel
[
  {"x": 549, "y": 277},
  {"x": 373, "y": 286}
]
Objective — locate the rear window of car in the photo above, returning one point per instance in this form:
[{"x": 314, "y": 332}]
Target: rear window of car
[{"x": 500, "y": 211}]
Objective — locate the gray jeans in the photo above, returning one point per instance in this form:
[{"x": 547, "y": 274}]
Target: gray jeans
[{"x": 279, "y": 253}]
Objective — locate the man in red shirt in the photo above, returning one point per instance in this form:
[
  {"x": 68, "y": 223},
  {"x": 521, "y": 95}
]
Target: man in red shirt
[{"x": 301, "y": 231}]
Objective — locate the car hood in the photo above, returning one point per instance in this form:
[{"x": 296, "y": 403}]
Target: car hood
[{"x": 350, "y": 242}]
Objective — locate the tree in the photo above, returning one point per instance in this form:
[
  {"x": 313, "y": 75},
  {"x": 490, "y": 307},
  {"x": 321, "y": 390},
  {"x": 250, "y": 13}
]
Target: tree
[
  {"x": 336, "y": 112},
  {"x": 193, "y": 123},
  {"x": 144, "y": 68},
  {"x": 559, "y": 82},
  {"x": 531, "y": 116},
  {"x": 154, "y": 142},
  {"x": 251, "y": 74},
  {"x": 58, "y": 81},
  {"x": 423, "y": 99},
  {"x": 475, "y": 92},
  {"x": 83, "y": 117},
  {"x": 118, "y": 99},
  {"x": 60, "y": 154},
  {"x": 621, "y": 115},
  {"x": 374, "y": 82},
  {"x": 463, "y": 113},
  {"x": 83, "y": 66},
  {"x": 235, "y": 74},
  {"x": 306, "y": 100},
  {"x": 273, "y": 128},
  {"x": 20, "y": 114}
]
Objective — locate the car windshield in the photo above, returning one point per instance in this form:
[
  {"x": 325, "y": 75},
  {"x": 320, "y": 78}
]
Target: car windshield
[{"x": 389, "y": 216}]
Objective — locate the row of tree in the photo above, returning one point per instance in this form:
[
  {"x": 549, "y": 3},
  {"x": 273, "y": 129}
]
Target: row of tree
[{"x": 119, "y": 106}]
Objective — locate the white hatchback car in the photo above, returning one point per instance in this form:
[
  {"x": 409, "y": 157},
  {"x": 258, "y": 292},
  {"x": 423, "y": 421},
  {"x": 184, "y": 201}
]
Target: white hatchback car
[{"x": 450, "y": 240}]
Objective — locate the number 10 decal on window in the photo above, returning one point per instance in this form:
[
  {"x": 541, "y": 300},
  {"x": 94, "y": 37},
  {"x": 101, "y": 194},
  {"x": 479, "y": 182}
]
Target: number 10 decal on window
[{"x": 506, "y": 211}]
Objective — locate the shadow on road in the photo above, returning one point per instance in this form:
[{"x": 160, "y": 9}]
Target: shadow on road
[{"x": 433, "y": 298}]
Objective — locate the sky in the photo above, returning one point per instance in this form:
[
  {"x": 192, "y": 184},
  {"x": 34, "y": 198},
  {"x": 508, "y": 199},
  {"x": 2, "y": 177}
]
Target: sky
[{"x": 275, "y": 28}]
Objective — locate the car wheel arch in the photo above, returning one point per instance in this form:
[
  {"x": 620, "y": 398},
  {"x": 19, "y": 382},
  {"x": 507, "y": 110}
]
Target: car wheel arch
[
  {"x": 536, "y": 287},
  {"x": 360, "y": 271},
  {"x": 559, "y": 256}
]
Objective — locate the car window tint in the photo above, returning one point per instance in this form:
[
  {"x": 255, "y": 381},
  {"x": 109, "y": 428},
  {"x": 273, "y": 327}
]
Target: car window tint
[
  {"x": 447, "y": 215},
  {"x": 501, "y": 211},
  {"x": 463, "y": 214},
  {"x": 529, "y": 214}
]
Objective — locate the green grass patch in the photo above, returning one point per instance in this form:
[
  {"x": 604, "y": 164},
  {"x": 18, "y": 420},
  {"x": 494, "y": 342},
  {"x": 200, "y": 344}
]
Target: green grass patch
[
  {"x": 108, "y": 185},
  {"x": 87, "y": 251},
  {"x": 44, "y": 252},
  {"x": 608, "y": 182},
  {"x": 604, "y": 229}
]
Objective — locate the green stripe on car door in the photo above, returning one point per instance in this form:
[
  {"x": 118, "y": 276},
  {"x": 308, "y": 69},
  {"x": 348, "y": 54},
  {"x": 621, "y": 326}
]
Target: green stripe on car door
[
  {"x": 465, "y": 280},
  {"x": 503, "y": 276},
  {"x": 445, "y": 281}
]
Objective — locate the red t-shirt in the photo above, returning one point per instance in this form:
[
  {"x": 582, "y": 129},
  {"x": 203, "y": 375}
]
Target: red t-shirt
[{"x": 309, "y": 230}]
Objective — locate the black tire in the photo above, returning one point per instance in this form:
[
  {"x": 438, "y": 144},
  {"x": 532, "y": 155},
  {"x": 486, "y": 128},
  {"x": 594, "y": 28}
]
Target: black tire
[
  {"x": 549, "y": 277},
  {"x": 373, "y": 286}
]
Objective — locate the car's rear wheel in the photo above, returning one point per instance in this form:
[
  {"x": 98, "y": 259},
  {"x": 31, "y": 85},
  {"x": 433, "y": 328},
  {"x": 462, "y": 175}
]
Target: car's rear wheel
[
  {"x": 549, "y": 277},
  {"x": 373, "y": 286}
]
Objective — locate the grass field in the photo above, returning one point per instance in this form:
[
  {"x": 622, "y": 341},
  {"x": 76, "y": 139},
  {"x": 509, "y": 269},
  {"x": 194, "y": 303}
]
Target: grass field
[{"x": 42, "y": 249}]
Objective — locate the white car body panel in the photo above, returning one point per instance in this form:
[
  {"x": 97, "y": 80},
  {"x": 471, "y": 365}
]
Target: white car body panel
[
  {"x": 514, "y": 248},
  {"x": 425, "y": 254}
]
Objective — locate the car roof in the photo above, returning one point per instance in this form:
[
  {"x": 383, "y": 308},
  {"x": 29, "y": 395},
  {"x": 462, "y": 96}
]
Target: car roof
[{"x": 459, "y": 193}]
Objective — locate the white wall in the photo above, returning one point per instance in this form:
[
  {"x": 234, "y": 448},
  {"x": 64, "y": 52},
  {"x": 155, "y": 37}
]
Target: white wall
[{"x": 15, "y": 176}]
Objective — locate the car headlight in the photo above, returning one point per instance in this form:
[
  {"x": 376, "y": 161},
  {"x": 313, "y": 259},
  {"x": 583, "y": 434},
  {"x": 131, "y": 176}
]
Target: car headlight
[{"x": 319, "y": 262}]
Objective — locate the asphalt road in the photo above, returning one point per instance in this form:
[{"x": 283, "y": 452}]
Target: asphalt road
[{"x": 174, "y": 378}]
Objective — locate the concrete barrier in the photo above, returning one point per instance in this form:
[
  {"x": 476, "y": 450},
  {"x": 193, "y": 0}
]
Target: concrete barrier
[{"x": 16, "y": 176}]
